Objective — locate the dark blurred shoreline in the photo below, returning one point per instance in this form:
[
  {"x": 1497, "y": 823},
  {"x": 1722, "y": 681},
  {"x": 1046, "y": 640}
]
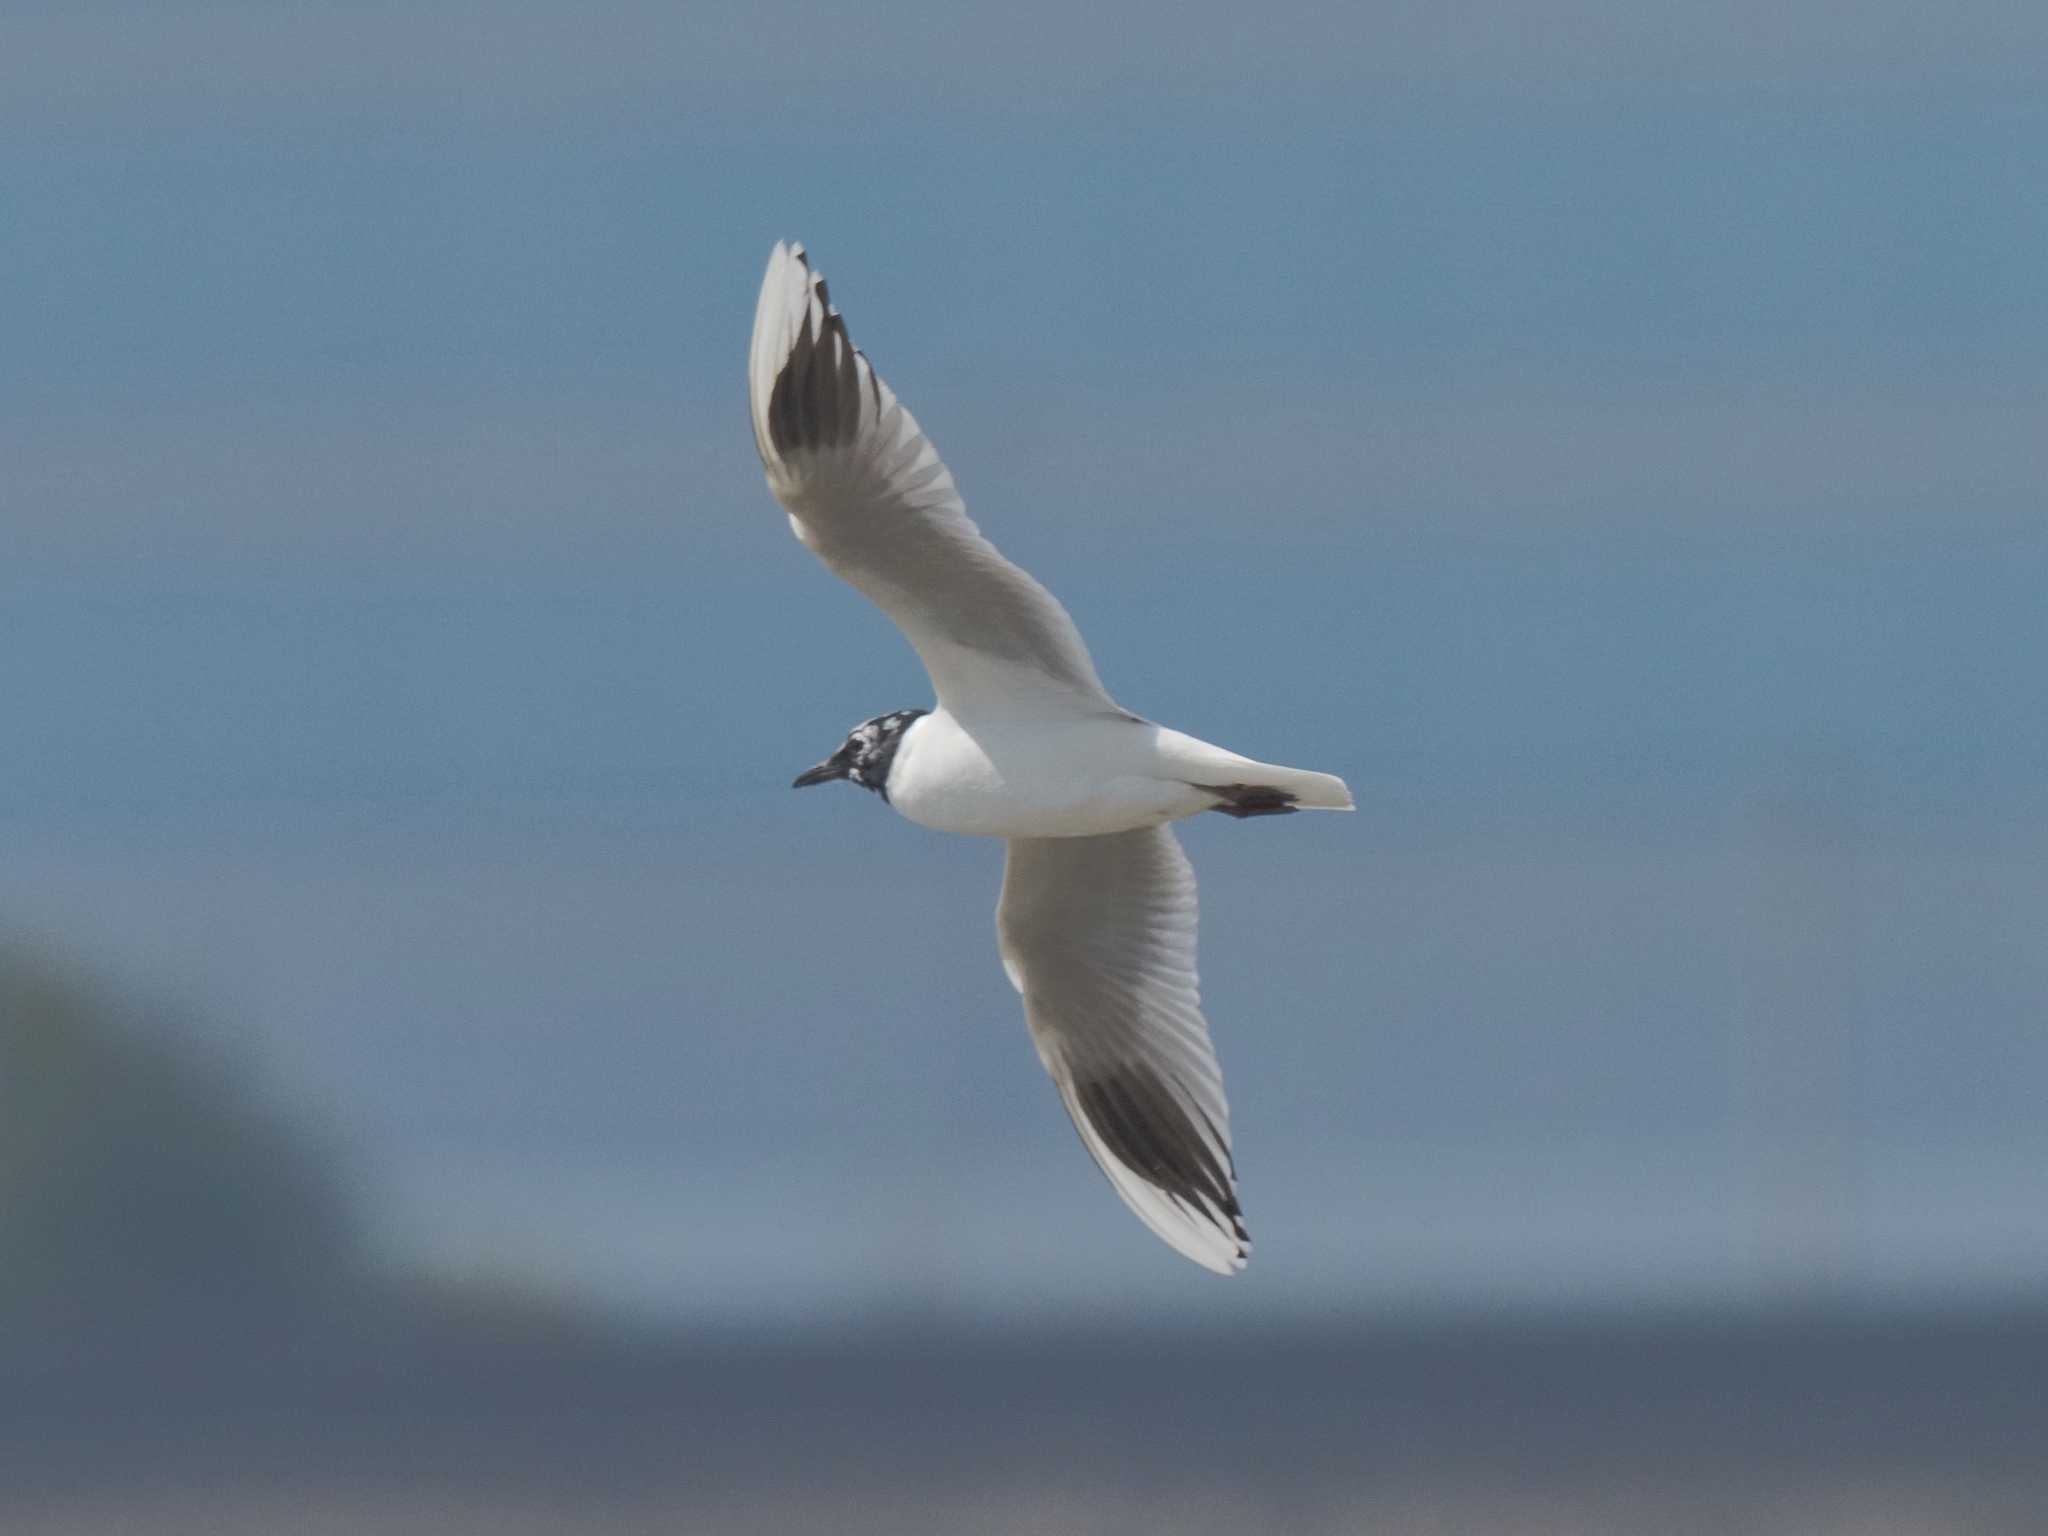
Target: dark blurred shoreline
[{"x": 1749, "y": 1403}]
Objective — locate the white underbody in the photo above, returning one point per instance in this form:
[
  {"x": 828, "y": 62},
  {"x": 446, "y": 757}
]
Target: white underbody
[{"x": 1077, "y": 776}]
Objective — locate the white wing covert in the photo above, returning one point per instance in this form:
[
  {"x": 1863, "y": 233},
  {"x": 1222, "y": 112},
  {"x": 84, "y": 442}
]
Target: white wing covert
[
  {"x": 1098, "y": 934},
  {"x": 867, "y": 493}
]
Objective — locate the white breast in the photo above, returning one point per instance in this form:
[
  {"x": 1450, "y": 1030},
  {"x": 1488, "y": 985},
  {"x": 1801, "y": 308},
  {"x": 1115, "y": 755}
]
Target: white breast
[{"x": 1044, "y": 778}]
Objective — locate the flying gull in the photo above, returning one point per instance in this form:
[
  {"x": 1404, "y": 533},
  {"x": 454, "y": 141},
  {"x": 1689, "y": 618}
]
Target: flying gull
[{"x": 1096, "y": 923}]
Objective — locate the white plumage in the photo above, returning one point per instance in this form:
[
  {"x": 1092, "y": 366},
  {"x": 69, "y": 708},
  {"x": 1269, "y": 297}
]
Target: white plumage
[{"x": 1096, "y": 925}]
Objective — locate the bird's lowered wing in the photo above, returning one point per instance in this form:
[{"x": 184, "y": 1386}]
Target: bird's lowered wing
[
  {"x": 1098, "y": 933},
  {"x": 866, "y": 492}
]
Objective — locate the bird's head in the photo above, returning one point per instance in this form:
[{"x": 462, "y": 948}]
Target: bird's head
[{"x": 864, "y": 757}]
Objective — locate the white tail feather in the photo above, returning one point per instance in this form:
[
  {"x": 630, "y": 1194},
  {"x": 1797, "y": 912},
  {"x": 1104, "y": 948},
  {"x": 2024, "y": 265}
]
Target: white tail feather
[
  {"x": 1198, "y": 762},
  {"x": 1312, "y": 791}
]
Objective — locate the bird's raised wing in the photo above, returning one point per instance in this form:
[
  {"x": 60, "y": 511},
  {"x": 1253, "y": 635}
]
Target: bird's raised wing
[
  {"x": 1098, "y": 933},
  {"x": 866, "y": 492}
]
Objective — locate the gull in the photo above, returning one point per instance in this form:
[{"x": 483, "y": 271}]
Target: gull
[{"x": 1096, "y": 922}]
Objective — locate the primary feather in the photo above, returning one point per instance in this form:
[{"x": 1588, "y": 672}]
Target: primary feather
[
  {"x": 867, "y": 493},
  {"x": 1098, "y": 934}
]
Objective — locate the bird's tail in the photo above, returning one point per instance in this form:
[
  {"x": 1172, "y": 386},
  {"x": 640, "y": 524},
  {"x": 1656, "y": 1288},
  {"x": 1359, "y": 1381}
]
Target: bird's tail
[
  {"x": 1311, "y": 791},
  {"x": 1243, "y": 786}
]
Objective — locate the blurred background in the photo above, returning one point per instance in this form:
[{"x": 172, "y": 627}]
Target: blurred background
[{"x": 448, "y": 1081}]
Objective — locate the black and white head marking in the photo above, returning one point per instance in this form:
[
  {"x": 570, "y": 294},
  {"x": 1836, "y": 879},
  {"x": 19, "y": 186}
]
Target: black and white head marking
[{"x": 867, "y": 753}]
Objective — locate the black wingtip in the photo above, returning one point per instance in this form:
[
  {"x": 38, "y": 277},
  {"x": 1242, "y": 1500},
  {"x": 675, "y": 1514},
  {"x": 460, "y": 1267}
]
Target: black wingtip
[
  {"x": 1145, "y": 1128},
  {"x": 815, "y": 401}
]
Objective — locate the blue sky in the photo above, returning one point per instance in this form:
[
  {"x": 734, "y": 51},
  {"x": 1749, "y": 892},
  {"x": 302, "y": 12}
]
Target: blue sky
[{"x": 1614, "y": 443}]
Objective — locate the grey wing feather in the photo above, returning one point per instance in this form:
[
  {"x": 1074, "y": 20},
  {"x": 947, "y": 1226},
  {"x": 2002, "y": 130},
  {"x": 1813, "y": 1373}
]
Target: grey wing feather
[
  {"x": 867, "y": 493},
  {"x": 1098, "y": 934}
]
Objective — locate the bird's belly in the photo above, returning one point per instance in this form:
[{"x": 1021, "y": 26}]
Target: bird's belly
[
  {"x": 949, "y": 783},
  {"x": 1010, "y": 810}
]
